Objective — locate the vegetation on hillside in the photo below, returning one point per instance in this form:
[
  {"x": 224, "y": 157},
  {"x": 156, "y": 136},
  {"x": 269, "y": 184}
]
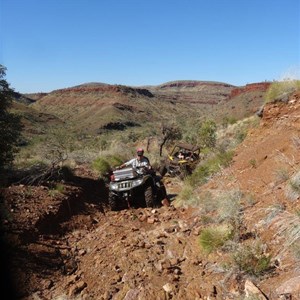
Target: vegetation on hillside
[
  {"x": 280, "y": 90},
  {"x": 10, "y": 125}
]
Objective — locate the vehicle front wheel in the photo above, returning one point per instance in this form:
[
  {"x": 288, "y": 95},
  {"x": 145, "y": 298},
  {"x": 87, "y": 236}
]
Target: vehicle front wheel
[
  {"x": 149, "y": 196},
  {"x": 113, "y": 202}
]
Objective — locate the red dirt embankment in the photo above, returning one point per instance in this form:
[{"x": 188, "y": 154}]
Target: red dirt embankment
[{"x": 260, "y": 86}]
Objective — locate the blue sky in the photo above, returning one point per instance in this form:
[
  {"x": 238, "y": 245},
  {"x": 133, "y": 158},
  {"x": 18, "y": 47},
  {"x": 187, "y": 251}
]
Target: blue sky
[{"x": 51, "y": 44}]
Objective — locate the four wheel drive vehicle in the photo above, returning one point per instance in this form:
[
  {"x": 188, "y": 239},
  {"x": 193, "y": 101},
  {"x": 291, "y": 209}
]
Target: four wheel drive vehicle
[
  {"x": 182, "y": 160},
  {"x": 135, "y": 187}
]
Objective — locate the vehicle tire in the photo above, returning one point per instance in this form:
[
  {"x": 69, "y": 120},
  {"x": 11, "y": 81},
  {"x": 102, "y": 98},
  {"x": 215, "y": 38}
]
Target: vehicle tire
[
  {"x": 113, "y": 202},
  {"x": 163, "y": 170},
  {"x": 149, "y": 196},
  {"x": 184, "y": 172}
]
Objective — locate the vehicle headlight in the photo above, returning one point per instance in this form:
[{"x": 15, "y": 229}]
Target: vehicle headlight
[
  {"x": 137, "y": 182},
  {"x": 114, "y": 186}
]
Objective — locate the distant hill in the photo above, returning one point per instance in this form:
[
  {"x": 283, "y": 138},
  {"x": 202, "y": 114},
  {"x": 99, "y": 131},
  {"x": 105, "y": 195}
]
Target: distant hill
[{"x": 94, "y": 107}]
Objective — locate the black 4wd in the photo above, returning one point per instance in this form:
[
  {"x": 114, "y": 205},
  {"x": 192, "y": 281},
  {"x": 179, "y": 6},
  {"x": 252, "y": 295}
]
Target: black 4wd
[
  {"x": 182, "y": 160},
  {"x": 131, "y": 187}
]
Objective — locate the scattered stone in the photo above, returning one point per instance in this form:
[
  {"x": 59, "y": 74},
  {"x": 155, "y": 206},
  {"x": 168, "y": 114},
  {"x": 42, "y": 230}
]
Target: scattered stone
[
  {"x": 142, "y": 217},
  {"x": 132, "y": 294},
  {"x": 72, "y": 279},
  {"x": 158, "y": 266},
  {"x": 46, "y": 284},
  {"x": 252, "y": 290},
  {"x": 81, "y": 252},
  {"x": 141, "y": 244},
  {"x": 165, "y": 202},
  {"x": 168, "y": 288},
  {"x": 77, "y": 288},
  {"x": 291, "y": 286},
  {"x": 151, "y": 220}
]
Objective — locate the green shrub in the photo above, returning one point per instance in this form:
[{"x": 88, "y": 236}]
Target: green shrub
[
  {"x": 252, "y": 259},
  {"x": 228, "y": 121},
  {"x": 214, "y": 237},
  {"x": 253, "y": 163},
  {"x": 56, "y": 189},
  {"x": 114, "y": 160},
  {"x": 10, "y": 124},
  {"x": 101, "y": 165},
  {"x": 210, "y": 167},
  {"x": 208, "y": 134},
  {"x": 241, "y": 135}
]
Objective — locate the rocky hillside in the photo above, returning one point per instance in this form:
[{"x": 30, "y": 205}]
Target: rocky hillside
[
  {"x": 69, "y": 245},
  {"x": 92, "y": 107}
]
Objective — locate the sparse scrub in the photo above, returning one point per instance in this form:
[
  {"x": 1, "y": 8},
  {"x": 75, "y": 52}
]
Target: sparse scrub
[
  {"x": 229, "y": 208},
  {"x": 273, "y": 211},
  {"x": 282, "y": 175},
  {"x": 101, "y": 165},
  {"x": 281, "y": 89},
  {"x": 208, "y": 134},
  {"x": 253, "y": 163},
  {"x": 228, "y": 121},
  {"x": 288, "y": 227},
  {"x": 207, "y": 203},
  {"x": 252, "y": 259},
  {"x": 58, "y": 188},
  {"x": 292, "y": 190},
  {"x": 114, "y": 160},
  {"x": 249, "y": 200},
  {"x": 240, "y": 135},
  {"x": 209, "y": 167},
  {"x": 229, "y": 137},
  {"x": 187, "y": 197},
  {"x": 214, "y": 237}
]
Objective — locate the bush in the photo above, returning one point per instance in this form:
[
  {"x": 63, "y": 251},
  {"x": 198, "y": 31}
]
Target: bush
[
  {"x": 210, "y": 167},
  {"x": 208, "y": 134},
  {"x": 212, "y": 238},
  {"x": 101, "y": 165},
  {"x": 114, "y": 160},
  {"x": 252, "y": 259},
  {"x": 10, "y": 124}
]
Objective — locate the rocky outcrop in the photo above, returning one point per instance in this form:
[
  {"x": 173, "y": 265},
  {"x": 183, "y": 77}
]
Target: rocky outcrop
[
  {"x": 260, "y": 86},
  {"x": 114, "y": 89}
]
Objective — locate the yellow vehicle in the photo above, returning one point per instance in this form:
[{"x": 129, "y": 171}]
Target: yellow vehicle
[{"x": 181, "y": 161}]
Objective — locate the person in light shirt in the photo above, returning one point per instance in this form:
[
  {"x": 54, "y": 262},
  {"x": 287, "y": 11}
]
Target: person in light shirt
[{"x": 137, "y": 162}]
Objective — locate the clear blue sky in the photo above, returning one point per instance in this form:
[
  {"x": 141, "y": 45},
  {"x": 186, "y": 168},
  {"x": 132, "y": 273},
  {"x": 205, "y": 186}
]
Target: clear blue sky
[{"x": 51, "y": 44}]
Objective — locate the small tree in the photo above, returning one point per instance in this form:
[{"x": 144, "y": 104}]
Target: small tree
[
  {"x": 208, "y": 134},
  {"x": 169, "y": 132},
  {"x": 10, "y": 124}
]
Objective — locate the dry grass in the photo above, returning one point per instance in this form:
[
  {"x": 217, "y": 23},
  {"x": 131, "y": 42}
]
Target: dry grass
[
  {"x": 292, "y": 190},
  {"x": 252, "y": 258},
  {"x": 287, "y": 226},
  {"x": 214, "y": 237}
]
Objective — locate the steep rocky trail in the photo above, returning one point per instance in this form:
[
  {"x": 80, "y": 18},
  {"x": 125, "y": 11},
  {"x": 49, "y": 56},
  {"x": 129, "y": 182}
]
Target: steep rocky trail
[{"x": 79, "y": 248}]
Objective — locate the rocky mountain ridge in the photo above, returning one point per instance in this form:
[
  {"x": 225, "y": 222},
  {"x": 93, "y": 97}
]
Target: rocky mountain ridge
[{"x": 91, "y": 107}]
